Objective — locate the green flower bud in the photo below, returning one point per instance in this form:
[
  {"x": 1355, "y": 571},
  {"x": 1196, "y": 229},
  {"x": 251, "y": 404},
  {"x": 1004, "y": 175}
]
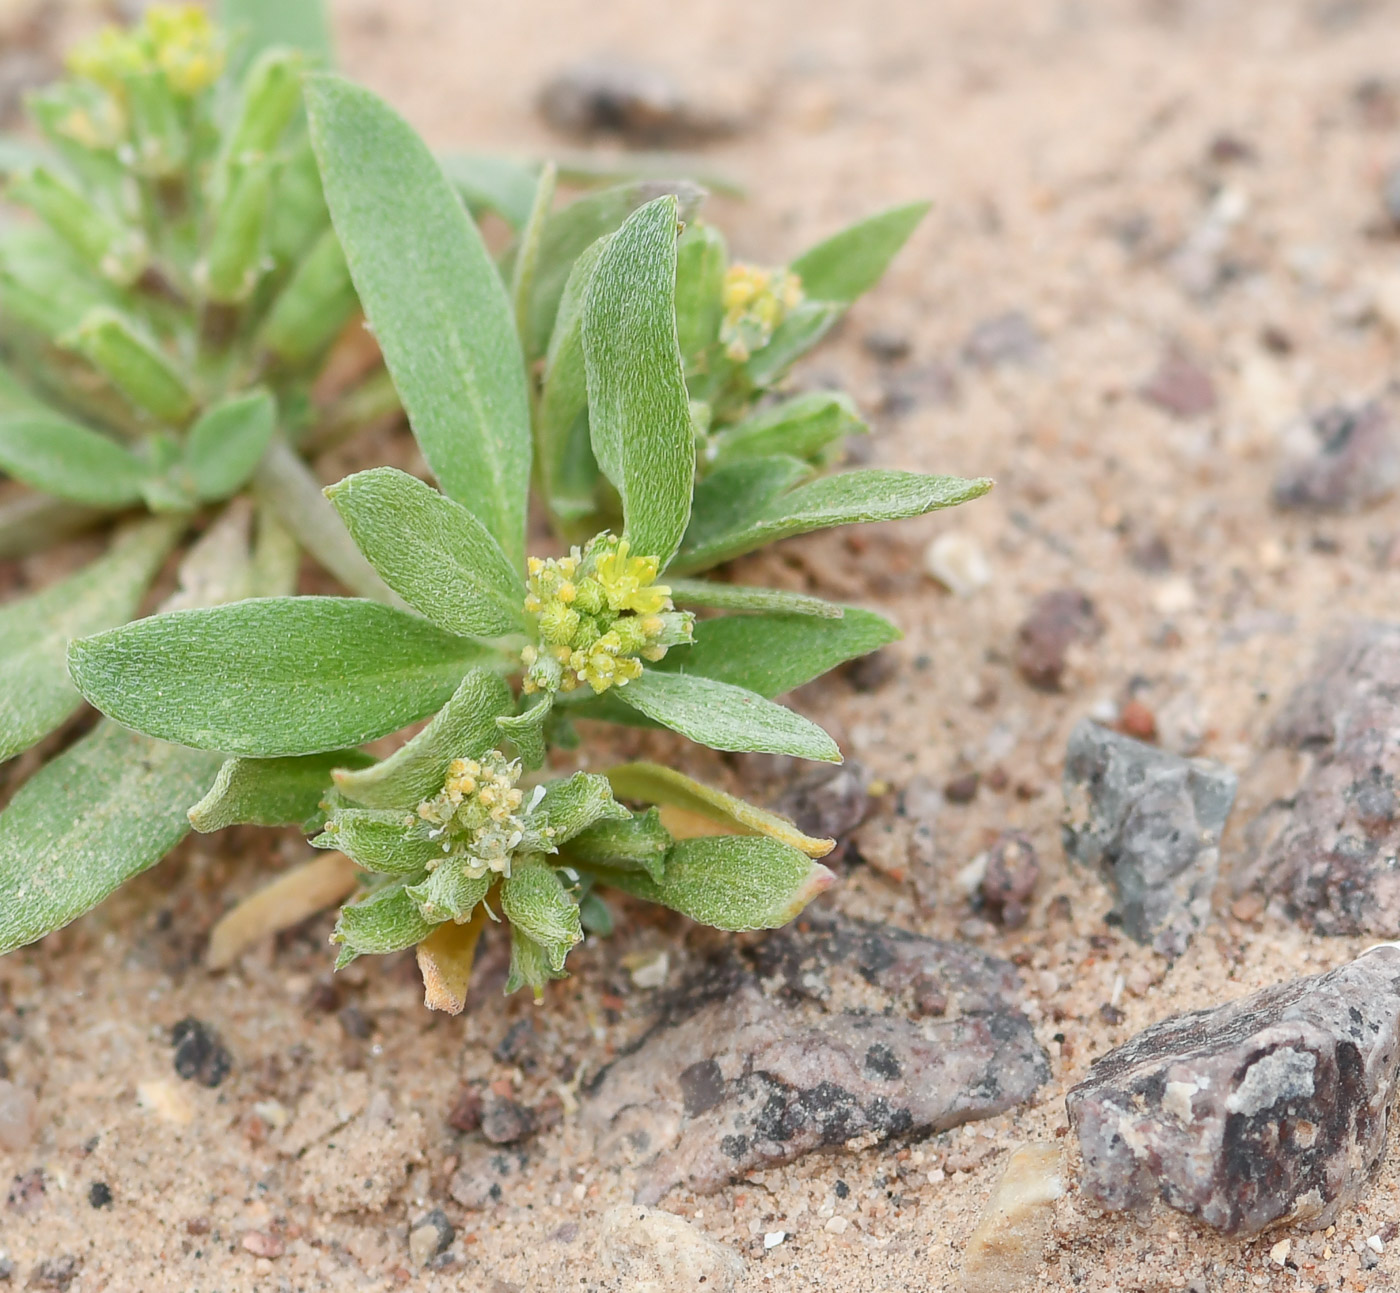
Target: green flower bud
[
  {"x": 119, "y": 253},
  {"x": 235, "y": 260},
  {"x": 134, "y": 363},
  {"x": 313, "y": 307},
  {"x": 159, "y": 140},
  {"x": 271, "y": 96}
]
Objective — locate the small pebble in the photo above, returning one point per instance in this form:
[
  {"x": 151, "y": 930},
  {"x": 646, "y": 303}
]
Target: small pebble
[
  {"x": 1008, "y": 338},
  {"x": 1137, "y": 721},
  {"x": 1006, "y": 1248},
  {"x": 1376, "y": 1244},
  {"x": 1278, "y": 1254},
  {"x": 166, "y": 1101},
  {"x": 199, "y": 1052},
  {"x": 1180, "y": 387},
  {"x": 1057, "y": 622},
  {"x": 19, "y": 1112},
  {"x": 261, "y": 1245},
  {"x": 836, "y": 1225},
  {"x": 958, "y": 563},
  {"x": 430, "y": 1236},
  {"x": 649, "y": 969},
  {"x": 773, "y": 1238},
  {"x": 885, "y": 345},
  {"x": 963, "y": 789},
  {"x": 100, "y": 1194}
]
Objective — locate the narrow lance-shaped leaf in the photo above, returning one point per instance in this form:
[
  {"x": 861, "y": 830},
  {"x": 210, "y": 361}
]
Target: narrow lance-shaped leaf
[
  {"x": 793, "y": 338},
  {"x": 731, "y": 498},
  {"x": 701, "y": 259},
  {"x": 36, "y": 694},
  {"x": 432, "y": 551},
  {"x": 846, "y": 499},
  {"x": 386, "y": 920},
  {"x": 725, "y": 717},
  {"x": 270, "y": 792},
  {"x": 741, "y": 597},
  {"x": 226, "y": 444},
  {"x": 730, "y": 882},
  {"x": 772, "y": 654},
  {"x": 527, "y": 250},
  {"x": 464, "y": 728},
  {"x": 650, "y": 783},
  {"x": 639, "y": 412},
  {"x": 273, "y": 676},
  {"x": 59, "y": 457},
  {"x": 805, "y": 426},
  {"x": 434, "y": 299},
  {"x": 86, "y": 823},
  {"x": 851, "y": 262}
]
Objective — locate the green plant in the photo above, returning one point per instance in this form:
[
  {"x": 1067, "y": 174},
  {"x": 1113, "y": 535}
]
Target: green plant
[{"x": 619, "y": 366}]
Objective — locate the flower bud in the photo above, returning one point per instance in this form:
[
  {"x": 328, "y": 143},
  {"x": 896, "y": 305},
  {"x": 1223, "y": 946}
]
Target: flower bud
[
  {"x": 271, "y": 96},
  {"x": 313, "y": 307},
  {"x": 159, "y": 143},
  {"x": 119, "y": 253},
  {"x": 235, "y": 259},
  {"x": 134, "y": 363}
]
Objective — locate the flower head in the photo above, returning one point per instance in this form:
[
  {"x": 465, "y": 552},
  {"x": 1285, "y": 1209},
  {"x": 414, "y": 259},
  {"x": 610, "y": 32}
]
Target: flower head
[
  {"x": 479, "y": 816},
  {"x": 597, "y": 614},
  {"x": 179, "y": 41},
  {"x": 755, "y": 302}
]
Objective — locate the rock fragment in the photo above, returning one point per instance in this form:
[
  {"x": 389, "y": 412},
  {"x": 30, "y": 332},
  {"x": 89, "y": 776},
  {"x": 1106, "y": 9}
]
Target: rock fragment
[
  {"x": 1006, "y": 1248},
  {"x": 503, "y": 1121},
  {"x": 1343, "y": 459},
  {"x": 1150, "y": 823},
  {"x": 1268, "y": 1110},
  {"x": 430, "y": 1236},
  {"x": 1008, "y": 338},
  {"x": 1009, "y": 880},
  {"x": 658, "y": 1252},
  {"x": 817, "y": 1035},
  {"x": 200, "y": 1054},
  {"x": 957, "y": 561},
  {"x": 19, "y": 1112},
  {"x": 1326, "y": 847},
  {"x": 1058, "y": 621},
  {"x": 484, "y": 1174},
  {"x": 1180, "y": 387},
  {"x": 640, "y": 105}
]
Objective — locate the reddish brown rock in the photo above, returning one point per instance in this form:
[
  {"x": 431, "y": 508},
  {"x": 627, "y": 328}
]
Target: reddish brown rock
[
  {"x": 1269, "y": 1110},
  {"x": 1057, "y": 621},
  {"x": 1009, "y": 880},
  {"x": 1180, "y": 387}
]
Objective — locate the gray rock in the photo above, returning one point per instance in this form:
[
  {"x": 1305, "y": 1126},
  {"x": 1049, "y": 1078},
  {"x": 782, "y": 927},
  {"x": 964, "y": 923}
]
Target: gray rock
[
  {"x": 828, "y": 802},
  {"x": 641, "y": 105},
  {"x": 484, "y": 1174},
  {"x": 1008, "y": 338},
  {"x": 503, "y": 1122},
  {"x": 1268, "y": 1110},
  {"x": 1327, "y": 851},
  {"x": 817, "y": 1035},
  {"x": 1150, "y": 823},
  {"x": 430, "y": 1236},
  {"x": 1343, "y": 460}
]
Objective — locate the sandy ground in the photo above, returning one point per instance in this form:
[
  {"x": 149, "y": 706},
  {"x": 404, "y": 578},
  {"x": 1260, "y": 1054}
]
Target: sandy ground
[{"x": 1068, "y": 147}]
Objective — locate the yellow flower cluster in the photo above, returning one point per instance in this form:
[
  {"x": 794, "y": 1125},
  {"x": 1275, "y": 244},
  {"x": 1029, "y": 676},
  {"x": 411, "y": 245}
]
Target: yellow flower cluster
[
  {"x": 178, "y": 40},
  {"x": 597, "y": 614},
  {"x": 476, "y": 814},
  {"x": 755, "y": 302}
]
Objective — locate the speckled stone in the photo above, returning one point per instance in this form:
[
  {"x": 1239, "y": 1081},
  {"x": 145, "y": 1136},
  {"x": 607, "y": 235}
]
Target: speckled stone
[{"x": 1269, "y": 1110}]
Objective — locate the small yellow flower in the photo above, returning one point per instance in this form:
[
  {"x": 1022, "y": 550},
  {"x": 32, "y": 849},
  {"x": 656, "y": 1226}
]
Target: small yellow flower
[
  {"x": 755, "y": 302},
  {"x": 177, "y": 40}
]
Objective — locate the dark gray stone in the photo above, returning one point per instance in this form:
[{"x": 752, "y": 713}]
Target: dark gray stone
[
  {"x": 1347, "y": 459},
  {"x": 503, "y": 1122},
  {"x": 818, "y": 1034},
  {"x": 1326, "y": 852},
  {"x": 1270, "y": 1110},
  {"x": 828, "y": 802},
  {"x": 200, "y": 1054},
  {"x": 1149, "y": 822},
  {"x": 638, "y": 104}
]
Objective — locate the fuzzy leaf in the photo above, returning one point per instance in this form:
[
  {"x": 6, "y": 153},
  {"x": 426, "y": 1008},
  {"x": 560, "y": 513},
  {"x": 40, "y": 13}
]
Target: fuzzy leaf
[
  {"x": 59, "y": 457},
  {"x": 432, "y": 551},
  {"x": 803, "y": 427},
  {"x": 36, "y": 694},
  {"x": 529, "y": 965},
  {"x": 464, "y": 728},
  {"x": 536, "y": 903},
  {"x": 772, "y": 654},
  {"x": 387, "y": 920},
  {"x": 526, "y": 730},
  {"x": 851, "y": 262},
  {"x": 639, "y": 412},
  {"x": 273, "y": 676},
  {"x": 727, "y": 500},
  {"x": 226, "y": 444},
  {"x": 499, "y": 184},
  {"x": 739, "y": 597},
  {"x": 725, "y": 717},
  {"x": 847, "y": 499},
  {"x": 434, "y": 299},
  {"x": 793, "y": 338},
  {"x": 701, "y": 259},
  {"x": 573, "y": 229},
  {"x": 100, "y": 813},
  {"x": 732, "y": 882},
  {"x": 449, "y": 894},
  {"x": 572, "y": 806},
  {"x": 637, "y": 843},
  {"x": 378, "y": 840},
  {"x": 650, "y": 783},
  {"x": 270, "y": 792}
]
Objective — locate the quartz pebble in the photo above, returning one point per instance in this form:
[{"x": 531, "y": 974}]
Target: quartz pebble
[
  {"x": 957, "y": 561},
  {"x": 430, "y": 1237},
  {"x": 659, "y": 1252},
  {"x": 1009, "y": 1242}
]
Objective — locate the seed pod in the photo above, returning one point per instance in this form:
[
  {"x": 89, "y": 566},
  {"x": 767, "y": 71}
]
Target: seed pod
[
  {"x": 119, "y": 253},
  {"x": 314, "y": 306},
  {"x": 235, "y": 259},
  {"x": 159, "y": 142},
  {"x": 271, "y": 96},
  {"x": 133, "y": 362}
]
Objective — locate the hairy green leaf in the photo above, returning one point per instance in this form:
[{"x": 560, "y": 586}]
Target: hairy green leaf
[
  {"x": 256, "y": 25},
  {"x": 464, "y": 728},
  {"x": 86, "y": 823},
  {"x": 772, "y": 654},
  {"x": 271, "y": 792},
  {"x": 36, "y": 694},
  {"x": 436, "y": 303},
  {"x": 385, "y": 920},
  {"x": 846, "y": 499},
  {"x": 529, "y": 965},
  {"x": 851, "y": 262},
  {"x": 432, "y": 551},
  {"x": 378, "y": 840},
  {"x": 59, "y": 457},
  {"x": 450, "y": 894},
  {"x": 639, "y": 412},
  {"x": 732, "y": 882},
  {"x": 572, "y": 806},
  {"x": 802, "y": 427},
  {"x": 527, "y": 250},
  {"x": 536, "y": 903},
  {"x": 793, "y": 338},
  {"x": 226, "y": 444},
  {"x": 740, "y": 597},
  {"x": 729, "y": 499},
  {"x": 650, "y": 783},
  {"x": 526, "y": 730},
  {"x": 273, "y": 676},
  {"x": 701, "y": 259},
  {"x": 638, "y": 842},
  {"x": 726, "y": 717},
  {"x": 499, "y": 184}
]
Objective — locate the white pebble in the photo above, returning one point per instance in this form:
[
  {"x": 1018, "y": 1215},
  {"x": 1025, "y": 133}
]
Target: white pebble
[
  {"x": 1278, "y": 1254},
  {"x": 836, "y": 1226},
  {"x": 958, "y": 563},
  {"x": 773, "y": 1238},
  {"x": 1376, "y": 1244},
  {"x": 1174, "y": 596},
  {"x": 649, "y": 969}
]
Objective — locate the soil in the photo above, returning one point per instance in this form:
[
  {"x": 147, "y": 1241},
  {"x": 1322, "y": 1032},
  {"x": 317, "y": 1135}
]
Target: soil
[{"x": 1071, "y": 149}]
